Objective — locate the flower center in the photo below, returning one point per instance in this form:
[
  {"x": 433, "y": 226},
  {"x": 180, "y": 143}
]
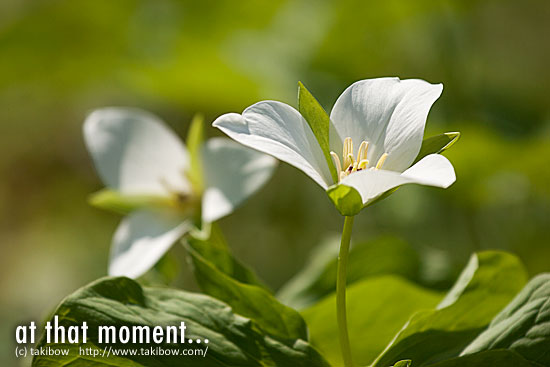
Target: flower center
[
  {"x": 354, "y": 163},
  {"x": 180, "y": 198}
]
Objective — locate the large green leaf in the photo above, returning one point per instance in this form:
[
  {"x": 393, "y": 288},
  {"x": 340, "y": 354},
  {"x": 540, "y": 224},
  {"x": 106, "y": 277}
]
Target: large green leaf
[
  {"x": 523, "y": 326},
  {"x": 437, "y": 144},
  {"x": 377, "y": 309},
  {"x": 318, "y": 121},
  {"x": 487, "y": 284},
  {"x": 385, "y": 255},
  {"x": 250, "y": 300},
  {"x": 496, "y": 358},
  {"x": 233, "y": 339}
]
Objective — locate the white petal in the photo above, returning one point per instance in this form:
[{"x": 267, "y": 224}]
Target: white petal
[
  {"x": 388, "y": 113},
  {"x": 232, "y": 172},
  {"x": 134, "y": 152},
  {"x": 141, "y": 239},
  {"x": 278, "y": 130},
  {"x": 432, "y": 170}
]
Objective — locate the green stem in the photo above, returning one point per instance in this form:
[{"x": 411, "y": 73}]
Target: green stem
[{"x": 341, "y": 292}]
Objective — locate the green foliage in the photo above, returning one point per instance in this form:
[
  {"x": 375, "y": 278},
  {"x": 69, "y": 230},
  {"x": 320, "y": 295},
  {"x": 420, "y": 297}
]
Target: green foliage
[
  {"x": 111, "y": 200},
  {"x": 437, "y": 144},
  {"x": 378, "y": 307},
  {"x": 497, "y": 358},
  {"x": 211, "y": 245},
  {"x": 523, "y": 326},
  {"x": 486, "y": 285},
  {"x": 440, "y": 330},
  {"x": 385, "y": 255},
  {"x": 318, "y": 121},
  {"x": 346, "y": 199},
  {"x": 138, "y": 53},
  {"x": 233, "y": 339},
  {"x": 244, "y": 294}
]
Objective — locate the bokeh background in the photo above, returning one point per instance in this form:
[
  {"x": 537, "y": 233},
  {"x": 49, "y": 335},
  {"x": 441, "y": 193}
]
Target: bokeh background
[{"x": 59, "y": 59}]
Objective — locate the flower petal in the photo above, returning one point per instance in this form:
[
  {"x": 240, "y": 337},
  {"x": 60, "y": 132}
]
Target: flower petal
[
  {"x": 279, "y": 130},
  {"x": 432, "y": 170},
  {"x": 141, "y": 239},
  {"x": 232, "y": 173},
  {"x": 134, "y": 152},
  {"x": 389, "y": 113}
]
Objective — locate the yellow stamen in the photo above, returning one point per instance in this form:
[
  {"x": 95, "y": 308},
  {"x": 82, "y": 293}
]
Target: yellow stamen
[
  {"x": 336, "y": 161},
  {"x": 362, "y": 152},
  {"x": 355, "y": 163},
  {"x": 362, "y": 164},
  {"x": 348, "y": 150},
  {"x": 350, "y": 159},
  {"x": 381, "y": 161}
]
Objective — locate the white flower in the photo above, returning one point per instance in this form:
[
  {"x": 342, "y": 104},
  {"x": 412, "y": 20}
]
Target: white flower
[
  {"x": 376, "y": 124},
  {"x": 138, "y": 156}
]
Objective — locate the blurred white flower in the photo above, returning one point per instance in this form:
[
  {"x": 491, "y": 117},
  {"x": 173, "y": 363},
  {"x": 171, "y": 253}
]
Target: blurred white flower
[
  {"x": 138, "y": 156},
  {"x": 376, "y": 124}
]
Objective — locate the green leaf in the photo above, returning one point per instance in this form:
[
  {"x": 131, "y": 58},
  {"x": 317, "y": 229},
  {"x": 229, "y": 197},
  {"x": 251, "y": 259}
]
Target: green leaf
[
  {"x": 437, "y": 144},
  {"x": 195, "y": 138},
  {"x": 211, "y": 245},
  {"x": 486, "y": 285},
  {"x": 123, "y": 204},
  {"x": 405, "y": 363},
  {"x": 523, "y": 326},
  {"x": 163, "y": 273},
  {"x": 250, "y": 300},
  {"x": 346, "y": 199},
  {"x": 497, "y": 358},
  {"x": 233, "y": 340},
  {"x": 377, "y": 308},
  {"x": 385, "y": 255},
  {"x": 318, "y": 121}
]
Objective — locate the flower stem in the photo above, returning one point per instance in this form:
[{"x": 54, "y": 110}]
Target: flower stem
[{"x": 341, "y": 292}]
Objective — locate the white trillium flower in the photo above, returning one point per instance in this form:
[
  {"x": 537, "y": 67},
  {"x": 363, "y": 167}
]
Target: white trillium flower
[
  {"x": 376, "y": 130},
  {"x": 138, "y": 156}
]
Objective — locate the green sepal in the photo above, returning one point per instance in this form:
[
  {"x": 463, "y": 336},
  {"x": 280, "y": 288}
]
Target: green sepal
[
  {"x": 319, "y": 122},
  {"x": 195, "y": 138},
  {"x": 437, "y": 144},
  {"x": 114, "y": 201},
  {"x": 346, "y": 199}
]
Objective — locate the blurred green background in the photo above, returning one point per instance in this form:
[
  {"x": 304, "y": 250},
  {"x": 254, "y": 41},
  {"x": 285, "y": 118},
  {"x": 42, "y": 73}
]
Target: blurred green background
[{"x": 59, "y": 59}]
